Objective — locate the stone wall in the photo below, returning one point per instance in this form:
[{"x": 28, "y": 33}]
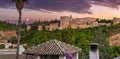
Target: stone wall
[
  {"x": 114, "y": 40},
  {"x": 6, "y": 35},
  {"x": 116, "y": 20}
]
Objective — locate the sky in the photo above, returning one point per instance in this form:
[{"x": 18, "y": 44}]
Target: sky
[{"x": 52, "y": 9}]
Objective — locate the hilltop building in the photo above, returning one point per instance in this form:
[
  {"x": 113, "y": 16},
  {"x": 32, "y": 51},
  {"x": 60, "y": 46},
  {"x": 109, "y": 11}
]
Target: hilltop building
[
  {"x": 54, "y": 26},
  {"x": 47, "y": 27},
  {"x": 116, "y": 20},
  {"x": 68, "y": 22},
  {"x": 28, "y": 27},
  {"x": 40, "y": 27},
  {"x": 74, "y": 23},
  {"x": 64, "y": 22},
  {"x": 85, "y": 22}
]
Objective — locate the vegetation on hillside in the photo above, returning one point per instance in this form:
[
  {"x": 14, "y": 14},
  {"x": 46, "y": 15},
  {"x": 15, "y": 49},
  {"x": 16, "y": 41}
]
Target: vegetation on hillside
[
  {"x": 7, "y": 26},
  {"x": 2, "y": 46},
  {"x": 77, "y": 37},
  {"x": 104, "y": 21},
  {"x": 116, "y": 51}
]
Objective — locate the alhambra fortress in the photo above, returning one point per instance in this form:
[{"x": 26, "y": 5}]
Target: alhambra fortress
[
  {"x": 65, "y": 23},
  {"x": 74, "y": 23},
  {"x": 39, "y": 51}
]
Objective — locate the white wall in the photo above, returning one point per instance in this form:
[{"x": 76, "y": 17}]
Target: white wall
[
  {"x": 76, "y": 56},
  {"x": 94, "y": 54},
  {"x": 21, "y": 49},
  {"x": 62, "y": 57},
  {"x": 12, "y": 51}
]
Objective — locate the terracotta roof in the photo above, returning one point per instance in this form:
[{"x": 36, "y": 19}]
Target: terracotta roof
[
  {"x": 53, "y": 47},
  {"x": 11, "y": 56}
]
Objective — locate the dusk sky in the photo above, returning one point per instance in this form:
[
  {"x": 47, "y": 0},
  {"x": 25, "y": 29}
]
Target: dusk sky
[{"x": 53, "y": 9}]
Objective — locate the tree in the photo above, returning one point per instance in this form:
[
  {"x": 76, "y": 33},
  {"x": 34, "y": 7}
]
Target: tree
[
  {"x": 115, "y": 51},
  {"x": 19, "y": 6},
  {"x": 104, "y": 48},
  {"x": 13, "y": 40},
  {"x": 2, "y": 46}
]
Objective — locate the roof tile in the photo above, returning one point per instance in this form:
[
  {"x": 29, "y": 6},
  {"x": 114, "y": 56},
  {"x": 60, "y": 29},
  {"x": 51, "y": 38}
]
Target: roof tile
[{"x": 52, "y": 47}]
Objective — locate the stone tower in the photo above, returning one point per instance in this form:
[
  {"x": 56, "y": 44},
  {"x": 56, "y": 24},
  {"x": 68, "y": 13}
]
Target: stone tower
[{"x": 64, "y": 22}]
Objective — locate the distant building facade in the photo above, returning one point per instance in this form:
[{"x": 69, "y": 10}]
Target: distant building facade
[
  {"x": 54, "y": 26},
  {"x": 116, "y": 20},
  {"x": 47, "y": 27},
  {"x": 64, "y": 22},
  {"x": 68, "y": 22},
  {"x": 40, "y": 27},
  {"x": 74, "y": 23},
  {"x": 28, "y": 27},
  {"x": 85, "y": 22}
]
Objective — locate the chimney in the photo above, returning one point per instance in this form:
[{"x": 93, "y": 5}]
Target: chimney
[{"x": 94, "y": 51}]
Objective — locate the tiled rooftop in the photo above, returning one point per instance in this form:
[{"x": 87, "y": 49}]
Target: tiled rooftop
[{"x": 52, "y": 47}]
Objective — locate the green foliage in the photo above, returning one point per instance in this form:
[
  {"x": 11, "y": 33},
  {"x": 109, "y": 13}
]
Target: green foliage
[
  {"x": 2, "y": 46},
  {"x": 7, "y": 26},
  {"x": 13, "y": 40},
  {"x": 104, "y": 48},
  {"x": 115, "y": 51},
  {"x": 10, "y": 46},
  {"x": 24, "y": 26},
  {"x": 105, "y": 21},
  {"x": 77, "y": 37},
  {"x": 113, "y": 29}
]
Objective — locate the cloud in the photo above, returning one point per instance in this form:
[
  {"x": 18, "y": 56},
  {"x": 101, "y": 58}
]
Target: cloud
[
  {"x": 5, "y": 3},
  {"x": 76, "y": 6},
  {"x": 107, "y": 3}
]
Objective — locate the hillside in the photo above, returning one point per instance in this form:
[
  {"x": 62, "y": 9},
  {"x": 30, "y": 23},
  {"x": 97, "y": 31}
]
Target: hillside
[
  {"x": 7, "y": 26},
  {"x": 115, "y": 40},
  {"x": 77, "y": 37},
  {"x": 7, "y": 31}
]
